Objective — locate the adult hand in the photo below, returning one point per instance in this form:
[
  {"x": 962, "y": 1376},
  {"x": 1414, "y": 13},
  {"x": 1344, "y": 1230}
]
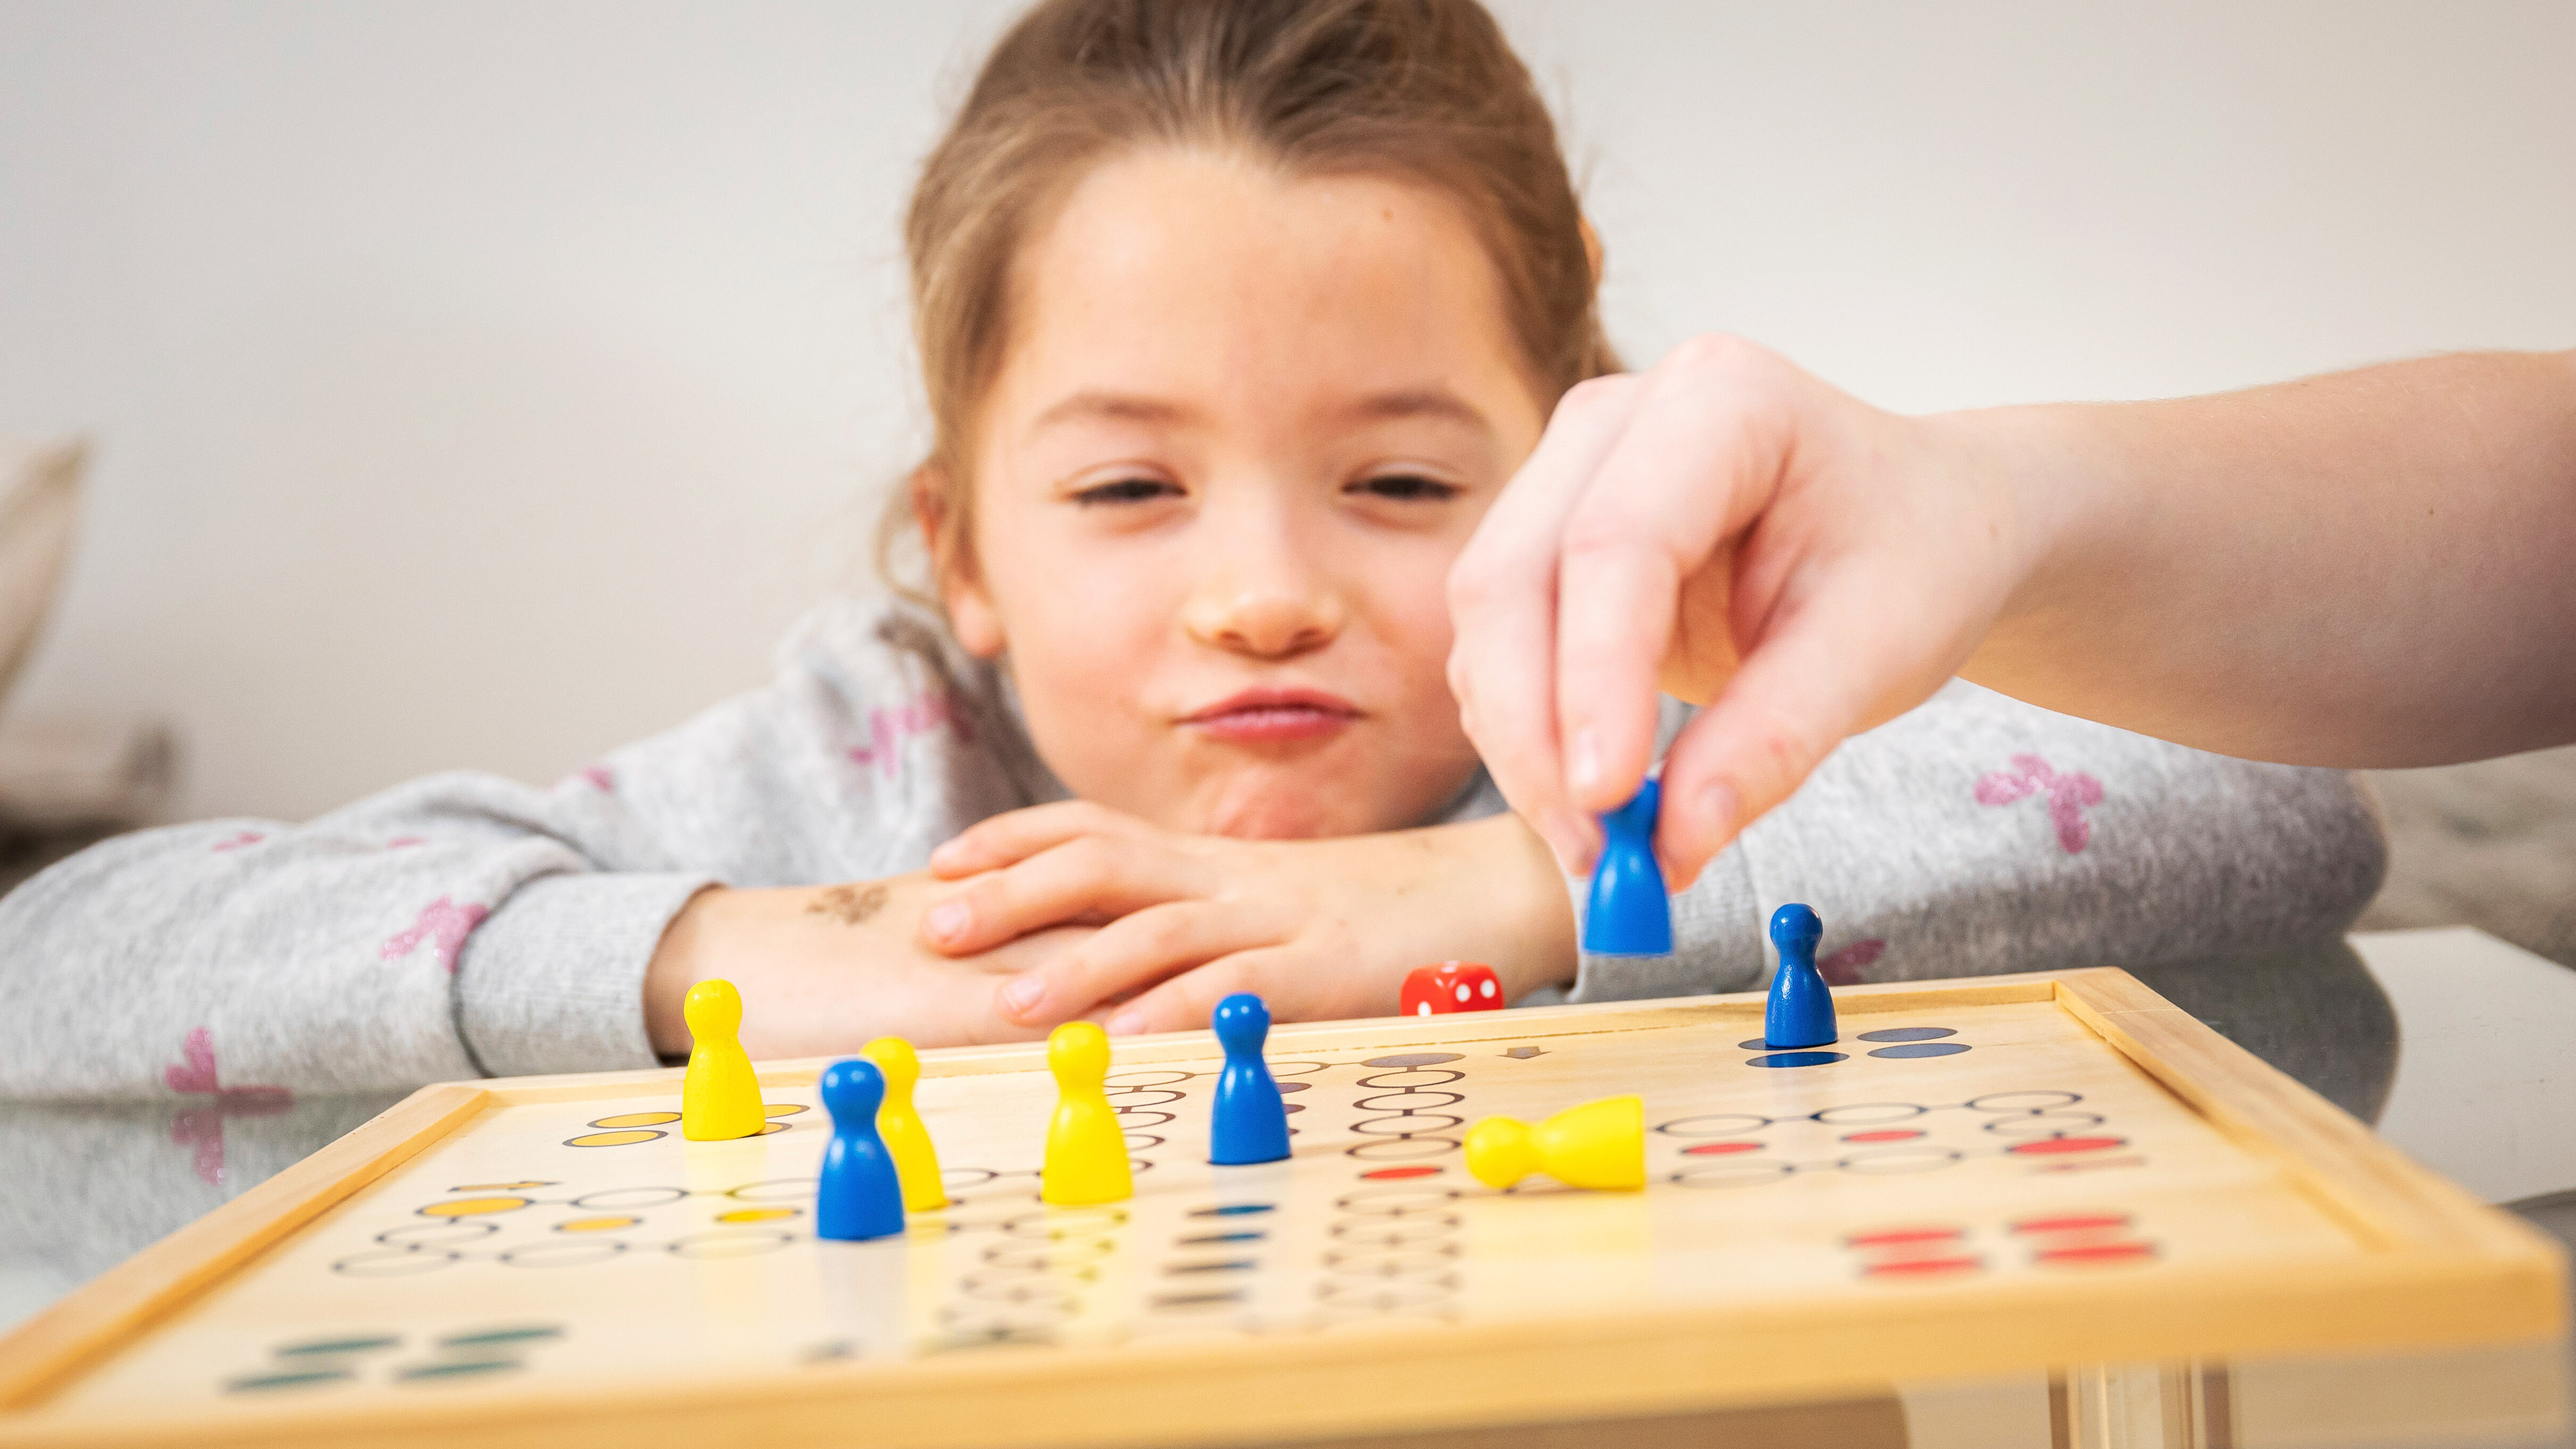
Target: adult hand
[
  {"x": 1743, "y": 536},
  {"x": 1322, "y": 929}
]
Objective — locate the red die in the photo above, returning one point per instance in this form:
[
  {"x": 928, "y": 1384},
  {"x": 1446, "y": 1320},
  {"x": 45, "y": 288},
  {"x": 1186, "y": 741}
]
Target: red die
[{"x": 1451, "y": 986}]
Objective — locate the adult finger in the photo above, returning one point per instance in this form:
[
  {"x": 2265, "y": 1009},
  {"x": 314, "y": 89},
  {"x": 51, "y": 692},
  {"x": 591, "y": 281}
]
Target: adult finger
[
  {"x": 1188, "y": 1001},
  {"x": 1015, "y": 835},
  {"x": 1696, "y": 460},
  {"x": 1087, "y": 879},
  {"x": 1850, "y": 656},
  {"x": 1502, "y": 601},
  {"x": 1128, "y": 956}
]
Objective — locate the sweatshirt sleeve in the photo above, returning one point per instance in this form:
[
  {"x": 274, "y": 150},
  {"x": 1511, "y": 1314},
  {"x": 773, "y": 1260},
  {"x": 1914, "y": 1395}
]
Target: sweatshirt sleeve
[
  {"x": 1977, "y": 835},
  {"x": 465, "y": 924}
]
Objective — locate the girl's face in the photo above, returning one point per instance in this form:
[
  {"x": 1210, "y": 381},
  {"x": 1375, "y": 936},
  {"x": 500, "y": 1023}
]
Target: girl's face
[{"x": 1243, "y": 425}]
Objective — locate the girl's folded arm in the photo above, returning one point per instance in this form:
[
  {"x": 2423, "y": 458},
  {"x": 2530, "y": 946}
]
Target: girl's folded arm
[{"x": 1977, "y": 835}]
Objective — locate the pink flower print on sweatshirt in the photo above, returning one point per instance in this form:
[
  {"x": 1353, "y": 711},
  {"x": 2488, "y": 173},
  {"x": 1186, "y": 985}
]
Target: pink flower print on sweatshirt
[
  {"x": 236, "y": 842},
  {"x": 1843, "y": 967},
  {"x": 201, "y": 1129},
  {"x": 597, "y": 777},
  {"x": 444, "y": 924},
  {"x": 2069, "y": 794},
  {"x": 889, "y": 728}
]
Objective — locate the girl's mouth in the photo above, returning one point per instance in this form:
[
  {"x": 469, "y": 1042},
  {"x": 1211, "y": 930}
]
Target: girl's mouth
[{"x": 1266, "y": 716}]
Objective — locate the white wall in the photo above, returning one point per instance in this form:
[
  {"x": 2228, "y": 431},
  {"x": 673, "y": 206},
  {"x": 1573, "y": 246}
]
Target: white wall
[{"x": 486, "y": 384}]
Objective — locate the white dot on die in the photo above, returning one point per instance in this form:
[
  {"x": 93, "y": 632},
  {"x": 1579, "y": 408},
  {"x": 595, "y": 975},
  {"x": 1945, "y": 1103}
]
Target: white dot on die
[
  {"x": 1462, "y": 991},
  {"x": 1486, "y": 988},
  {"x": 1422, "y": 1008}
]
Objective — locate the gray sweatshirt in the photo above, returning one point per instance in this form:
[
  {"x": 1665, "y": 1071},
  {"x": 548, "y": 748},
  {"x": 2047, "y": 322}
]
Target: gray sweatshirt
[{"x": 465, "y": 924}]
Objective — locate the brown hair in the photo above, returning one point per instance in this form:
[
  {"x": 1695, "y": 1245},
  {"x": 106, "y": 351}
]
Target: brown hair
[{"x": 1424, "y": 90}]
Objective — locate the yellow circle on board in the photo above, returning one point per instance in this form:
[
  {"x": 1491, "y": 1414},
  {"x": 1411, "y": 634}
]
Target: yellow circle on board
[
  {"x": 772, "y": 1127},
  {"x": 638, "y": 1119},
  {"x": 596, "y": 1225},
  {"x": 756, "y": 1215},
  {"x": 471, "y": 1207},
  {"x": 612, "y": 1139},
  {"x": 782, "y": 1109}
]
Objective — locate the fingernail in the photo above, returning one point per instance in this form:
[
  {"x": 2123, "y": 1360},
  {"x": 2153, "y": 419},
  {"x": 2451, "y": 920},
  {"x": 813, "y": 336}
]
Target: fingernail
[
  {"x": 1718, "y": 808},
  {"x": 1021, "y": 996},
  {"x": 1571, "y": 842},
  {"x": 1127, "y": 1023},
  {"x": 947, "y": 920},
  {"x": 1583, "y": 762}
]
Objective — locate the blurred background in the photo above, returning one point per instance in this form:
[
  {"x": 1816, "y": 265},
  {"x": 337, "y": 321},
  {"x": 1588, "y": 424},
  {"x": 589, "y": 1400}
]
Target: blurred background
[{"x": 483, "y": 384}]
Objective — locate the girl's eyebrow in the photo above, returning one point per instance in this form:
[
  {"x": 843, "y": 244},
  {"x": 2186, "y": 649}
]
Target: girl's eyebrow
[{"x": 1432, "y": 402}]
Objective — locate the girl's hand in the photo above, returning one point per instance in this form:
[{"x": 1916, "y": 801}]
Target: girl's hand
[
  {"x": 1737, "y": 533},
  {"x": 823, "y": 969},
  {"x": 1322, "y": 929}
]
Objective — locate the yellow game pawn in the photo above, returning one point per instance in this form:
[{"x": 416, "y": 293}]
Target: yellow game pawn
[
  {"x": 1086, "y": 1152},
  {"x": 1598, "y": 1145},
  {"x": 720, "y": 1098},
  {"x": 915, "y": 1160}
]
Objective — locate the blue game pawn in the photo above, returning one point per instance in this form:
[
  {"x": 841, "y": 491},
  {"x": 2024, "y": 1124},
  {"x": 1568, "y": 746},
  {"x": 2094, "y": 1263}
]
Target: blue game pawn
[
  {"x": 1801, "y": 1012},
  {"x": 861, "y": 1195},
  {"x": 1630, "y": 913},
  {"x": 1250, "y": 1123}
]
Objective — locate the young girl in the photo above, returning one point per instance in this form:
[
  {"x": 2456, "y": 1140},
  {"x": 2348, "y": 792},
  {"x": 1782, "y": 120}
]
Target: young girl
[{"x": 1234, "y": 316}]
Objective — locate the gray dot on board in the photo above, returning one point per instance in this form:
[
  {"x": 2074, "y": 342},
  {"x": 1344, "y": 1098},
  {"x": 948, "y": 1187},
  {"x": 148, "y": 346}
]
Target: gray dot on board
[
  {"x": 1797, "y": 1059},
  {"x": 1923, "y": 1049},
  {"x": 1522, "y": 1053},
  {"x": 1908, "y": 1033},
  {"x": 1412, "y": 1059},
  {"x": 1753, "y": 1044}
]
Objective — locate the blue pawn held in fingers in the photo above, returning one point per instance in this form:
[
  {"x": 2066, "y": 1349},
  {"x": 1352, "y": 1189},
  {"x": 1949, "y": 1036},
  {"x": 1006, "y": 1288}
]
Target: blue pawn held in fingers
[
  {"x": 861, "y": 1194},
  {"x": 1251, "y": 1124},
  {"x": 1630, "y": 914},
  {"x": 1801, "y": 1012}
]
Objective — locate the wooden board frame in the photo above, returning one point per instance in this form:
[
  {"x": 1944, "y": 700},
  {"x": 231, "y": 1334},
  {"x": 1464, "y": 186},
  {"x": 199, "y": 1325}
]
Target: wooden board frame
[{"x": 2444, "y": 1270}]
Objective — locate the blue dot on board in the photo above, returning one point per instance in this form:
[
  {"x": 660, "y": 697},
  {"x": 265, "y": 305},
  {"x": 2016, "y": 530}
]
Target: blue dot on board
[
  {"x": 1908, "y": 1033},
  {"x": 1922, "y": 1049},
  {"x": 1797, "y": 1059},
  {"x": 1234, "y": 1209}
]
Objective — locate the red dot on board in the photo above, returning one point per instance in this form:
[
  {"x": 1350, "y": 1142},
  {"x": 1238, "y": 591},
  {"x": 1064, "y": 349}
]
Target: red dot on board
[
  {"x": 2052, "y": 1146},
  {"x": 2072, "y": 1223},
  {"x": 1391, "y": 1174},
  {"x": 1921, "y": 1267},
  {"x": 1883, "y": 1134},
  {"x": 1721, "y": 1149},
  {"x": 2099, "y": 1253},
  {"x": 1891, "y": 1237}
]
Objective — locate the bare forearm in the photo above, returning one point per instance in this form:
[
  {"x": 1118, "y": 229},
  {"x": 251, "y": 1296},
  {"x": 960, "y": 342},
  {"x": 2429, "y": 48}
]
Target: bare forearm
[{"x": 2373, "y": 568}]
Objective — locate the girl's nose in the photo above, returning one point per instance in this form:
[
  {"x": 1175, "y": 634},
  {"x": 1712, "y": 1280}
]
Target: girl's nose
[{"x": 1270, "y": 617}]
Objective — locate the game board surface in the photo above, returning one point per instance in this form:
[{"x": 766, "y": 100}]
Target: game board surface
[{"x": 1959, "y": 1163}]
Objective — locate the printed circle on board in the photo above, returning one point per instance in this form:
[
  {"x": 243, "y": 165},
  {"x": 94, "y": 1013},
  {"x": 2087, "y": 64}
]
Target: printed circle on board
[
  {"x": 2056, "y": 1146},
  {"x": 793, "y": 1189},
  {"x": 1731, "y": 1174},
  {"x": 626, "y": 1137},
  {"x": 758, "y": 1214},
  {"x": 459, "y": 1369},
  {"x": 392, "y": 1262},
  {"x": 782, "y": 1109},
  {"x": 255, "y": 1383},
  {"x": 607, "y": 1224},
  {"x": 1400, "y": 1149},
  {"x": 471, "y": 1207},
  {"x": 441, "y": 1234},
  {"x": 2022, "y": 1101},
  {"x": 728, "y": 1244},
  {"x": 1867, "y": 1114},
  {"x": 367, "y": 1343},
  {"x": 513, "y": 1333},
  {"x": 1799, "y": 1059},
  {"x": 564, "y": 1253},
  {"x": 1922, "y": 1049},
  {"x": 1720, "y": 1149},
  {"x": 638, "y": 1119},
  {"x": 1140, "y": 1078},
  {"x": 1909, "y": 1033},
  {"x": 1713, "y": 1124},
  {"x": 624, "y": 1199},
  {"x": 1412, "y": 1059},
  {"x": 1892, "y": 1161}
]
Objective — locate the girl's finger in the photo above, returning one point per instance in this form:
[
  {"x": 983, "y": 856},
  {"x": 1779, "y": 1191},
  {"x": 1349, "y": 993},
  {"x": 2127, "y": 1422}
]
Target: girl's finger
[
  {"x": 1187, "y": 1001},
  {"x": 1018, "y": 834},
  {"x": 1699, "y": 457},
  {"x": 1088, "y": 879},
  {"x": 1502, "y": 601},
  {"x": 1126, "y": 957}
]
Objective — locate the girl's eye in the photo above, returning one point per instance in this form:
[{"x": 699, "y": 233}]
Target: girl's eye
[
  {"x": 1126, "y": 490},
  {"x": 1408, "y": 487}
]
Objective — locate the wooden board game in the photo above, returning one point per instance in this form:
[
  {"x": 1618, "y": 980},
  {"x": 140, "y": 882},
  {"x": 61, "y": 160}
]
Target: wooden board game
[{"x": 1979, "y": 1176}]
